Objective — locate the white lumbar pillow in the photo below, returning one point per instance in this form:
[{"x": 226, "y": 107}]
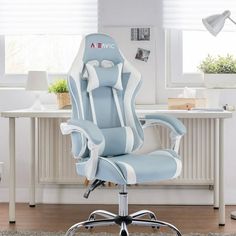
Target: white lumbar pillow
[
  {"x": 92, "y": 63},
  {"x": 107, "y": 63},
  {"x": 104, "y": 77}
]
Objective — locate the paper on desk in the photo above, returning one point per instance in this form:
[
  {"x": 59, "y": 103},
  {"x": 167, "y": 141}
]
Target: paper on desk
[{"x": 188, "y": 93}]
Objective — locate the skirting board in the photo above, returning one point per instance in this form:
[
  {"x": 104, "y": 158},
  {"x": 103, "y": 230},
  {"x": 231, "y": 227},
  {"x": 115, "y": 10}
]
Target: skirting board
[{"x": 66, "y": 195}]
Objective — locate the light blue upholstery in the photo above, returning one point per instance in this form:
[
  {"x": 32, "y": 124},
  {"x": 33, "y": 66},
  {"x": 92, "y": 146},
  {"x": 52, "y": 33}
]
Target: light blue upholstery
[
  {"x": 104, "y": 77},
  {"x": 115, "y": 141},
  {"x": 155, "y": 166},
  {"x": 105, "y": 132},
  {"x": 170, "y": 121},
  {"x": 101, "y": 47},
  {"x": 118, "y": 131},
  {"x": 93, "y": 132}
]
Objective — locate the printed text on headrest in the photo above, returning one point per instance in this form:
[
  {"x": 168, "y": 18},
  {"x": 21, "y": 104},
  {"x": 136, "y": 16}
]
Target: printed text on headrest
[{"x": 103, "y": 45}]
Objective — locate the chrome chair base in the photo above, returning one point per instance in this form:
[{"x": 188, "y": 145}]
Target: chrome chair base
[{"x": 123, "y": 219}]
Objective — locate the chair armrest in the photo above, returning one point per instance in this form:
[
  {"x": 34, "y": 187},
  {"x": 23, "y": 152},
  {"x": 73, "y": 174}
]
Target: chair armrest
[
  {"x": 173, "y": 123},
  {"x": 87, "y": 128},
  {"x": 176, "y": 126},
  {"x": 95, "y": 141}
]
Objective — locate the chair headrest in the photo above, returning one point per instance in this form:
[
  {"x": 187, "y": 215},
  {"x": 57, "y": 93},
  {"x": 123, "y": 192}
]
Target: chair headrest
[{"x": 101, "y": 47}]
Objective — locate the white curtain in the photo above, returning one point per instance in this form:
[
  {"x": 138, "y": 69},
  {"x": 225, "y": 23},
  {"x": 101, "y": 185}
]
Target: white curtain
[
  {"x": 19, "y": 17},
  {"x": 188, "y": 14}
]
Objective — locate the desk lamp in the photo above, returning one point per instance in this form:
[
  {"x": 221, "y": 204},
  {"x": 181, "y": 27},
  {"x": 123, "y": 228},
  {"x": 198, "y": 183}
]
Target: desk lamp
[
  {"x": 37, "y": 82},
  {"x": 214, "y": 24}
]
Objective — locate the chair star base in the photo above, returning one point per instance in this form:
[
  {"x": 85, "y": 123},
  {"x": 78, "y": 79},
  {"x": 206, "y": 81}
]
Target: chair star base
[{"x": 123, "y": 219}]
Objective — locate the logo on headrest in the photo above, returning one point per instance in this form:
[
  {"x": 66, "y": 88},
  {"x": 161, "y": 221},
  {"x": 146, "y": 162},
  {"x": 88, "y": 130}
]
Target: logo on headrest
[{"x": 103, "y": 45}]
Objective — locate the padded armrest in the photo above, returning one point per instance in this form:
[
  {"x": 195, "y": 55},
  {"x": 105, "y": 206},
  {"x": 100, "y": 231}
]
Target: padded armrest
[
  {"x": 89, "y": 129},
  {"x": 173, "y": 123},
  {"x": 95, "y": 138}
]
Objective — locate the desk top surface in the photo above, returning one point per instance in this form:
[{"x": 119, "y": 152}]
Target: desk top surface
[{"x": 56, "y": 113}]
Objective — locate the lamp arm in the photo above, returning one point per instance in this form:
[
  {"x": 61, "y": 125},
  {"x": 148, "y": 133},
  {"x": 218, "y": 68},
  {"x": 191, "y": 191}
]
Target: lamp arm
[{"x": 232, "y": 20}]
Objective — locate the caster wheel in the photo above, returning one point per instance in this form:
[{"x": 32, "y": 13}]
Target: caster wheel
[
  {"x": 88, "y": 227},
  {"x": 154, "y": 227},
  {"x": 90, "y": 219},
  {"x": 123, "y": 233}
]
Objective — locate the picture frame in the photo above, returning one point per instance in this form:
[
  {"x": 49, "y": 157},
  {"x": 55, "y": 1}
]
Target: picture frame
[{"x": 140, "y": 34}]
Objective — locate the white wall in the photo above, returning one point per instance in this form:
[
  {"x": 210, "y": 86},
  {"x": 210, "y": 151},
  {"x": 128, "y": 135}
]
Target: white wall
[
  {"x": 118, "y": 13},
  {"x": 148, "y": 13}
]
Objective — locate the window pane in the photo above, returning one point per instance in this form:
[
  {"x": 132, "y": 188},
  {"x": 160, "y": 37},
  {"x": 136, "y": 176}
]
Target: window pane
[
  {"x": 198, "y": 44},
  {"x": 54, "y": 54}
]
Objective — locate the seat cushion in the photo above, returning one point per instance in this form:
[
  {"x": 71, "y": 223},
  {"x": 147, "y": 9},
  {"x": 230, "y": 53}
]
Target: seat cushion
[{"x": 132, "y": 169}]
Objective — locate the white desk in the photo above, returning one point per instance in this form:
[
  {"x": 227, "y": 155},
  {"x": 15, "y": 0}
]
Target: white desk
[{"x": 33, "y": 115}]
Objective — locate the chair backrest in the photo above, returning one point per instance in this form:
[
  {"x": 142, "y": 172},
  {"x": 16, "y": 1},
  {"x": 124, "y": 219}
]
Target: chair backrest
[{"x": 98, "y": 95}]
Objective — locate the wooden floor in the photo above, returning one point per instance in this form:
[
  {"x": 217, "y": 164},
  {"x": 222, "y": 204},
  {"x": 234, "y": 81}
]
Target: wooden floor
[{"x": 51, "y": 217}]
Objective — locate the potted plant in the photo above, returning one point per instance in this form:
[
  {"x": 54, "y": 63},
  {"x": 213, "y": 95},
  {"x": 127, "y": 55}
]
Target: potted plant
[
  {"x": 60, "y": 88},
  {"x": 219, "y": 72}
]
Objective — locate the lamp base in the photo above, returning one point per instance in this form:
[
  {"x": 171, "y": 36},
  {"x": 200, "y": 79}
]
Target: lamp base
[
  {"x": 37, "y": 103},
  {"x": 37, "y": 106}
]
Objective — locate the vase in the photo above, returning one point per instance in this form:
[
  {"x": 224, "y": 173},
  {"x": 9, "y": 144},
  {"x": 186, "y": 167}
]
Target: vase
[
  {"x": 220, "y": 80},
  {"x": 63, "y": 100}
]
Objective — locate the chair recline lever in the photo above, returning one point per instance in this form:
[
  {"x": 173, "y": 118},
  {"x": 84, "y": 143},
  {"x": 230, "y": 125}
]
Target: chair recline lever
[{"x": 96, "y": 183}]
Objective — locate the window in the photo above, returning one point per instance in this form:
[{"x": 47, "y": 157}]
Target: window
[
  {"x": 20, "y": 54},
  {"x": 54, "y": 54},
  {"x": 42, "y": 35},
  {"x": 186, "y": 49}
]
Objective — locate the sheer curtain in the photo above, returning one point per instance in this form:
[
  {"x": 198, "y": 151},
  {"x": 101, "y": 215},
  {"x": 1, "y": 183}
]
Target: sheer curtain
[
  {"x": 188, "y": 14},
  {"x": 21, "y": 17}
]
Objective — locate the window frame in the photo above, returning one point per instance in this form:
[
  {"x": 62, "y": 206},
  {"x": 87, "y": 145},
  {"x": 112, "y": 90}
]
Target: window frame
[{"x": 175, "y": 78}]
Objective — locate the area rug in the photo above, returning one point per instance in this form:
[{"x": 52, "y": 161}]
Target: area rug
[{"x": 31, "y": 233}]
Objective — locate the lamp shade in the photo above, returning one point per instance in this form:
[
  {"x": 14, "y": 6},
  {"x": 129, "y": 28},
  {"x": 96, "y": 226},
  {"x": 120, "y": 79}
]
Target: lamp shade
[
  {"x": 215, "y": 23},
  {"x": 37, "y": 80}
]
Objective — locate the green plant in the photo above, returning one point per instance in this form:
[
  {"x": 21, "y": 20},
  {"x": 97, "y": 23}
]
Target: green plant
[
  {"x": 59, "y": 86},
  {"x": 218, "y": 65}
]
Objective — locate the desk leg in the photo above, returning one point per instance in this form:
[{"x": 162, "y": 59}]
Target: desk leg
[
  {"x": 221, "y": 176},
  {"x": 32, "y": 164},
  {"x": 12, "y": 177},
  {"x": 216, "y": 165}
]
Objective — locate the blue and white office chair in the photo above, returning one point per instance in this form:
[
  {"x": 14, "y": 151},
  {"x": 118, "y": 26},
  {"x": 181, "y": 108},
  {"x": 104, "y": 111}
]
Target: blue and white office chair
[{"x": 105, "y": 131}]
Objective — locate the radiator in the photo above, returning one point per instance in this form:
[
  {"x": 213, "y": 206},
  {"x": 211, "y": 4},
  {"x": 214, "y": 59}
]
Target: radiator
[
  {"x": 55, "y": 161},
  {"x": 56, "y": 164}
]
